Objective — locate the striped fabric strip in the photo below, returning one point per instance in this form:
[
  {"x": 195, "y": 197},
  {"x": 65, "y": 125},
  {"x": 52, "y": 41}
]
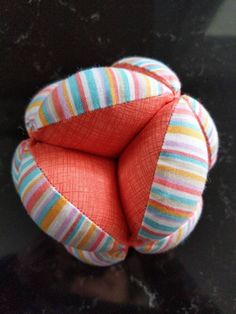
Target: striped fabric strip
[
  {"x": 179, "y": 178},
  {"x": 173, "y": 239},
  {"x": 208, "y": 126},
  {"x": 156, "y": 67},
  {"x": 56, "y": 216},
  {"x": 35, "y": 104},
  {"x": 98, "y": 258},
  {"x": 89, "y": 90}
]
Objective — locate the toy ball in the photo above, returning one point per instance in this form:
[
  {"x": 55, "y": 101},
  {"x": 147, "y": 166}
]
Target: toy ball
[{"x": 116, "y": 158}]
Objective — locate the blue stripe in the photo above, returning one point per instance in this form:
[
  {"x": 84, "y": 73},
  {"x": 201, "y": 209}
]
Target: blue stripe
[
  {"x": 184, "y": 158},
  {"x": 75, "y": 94},
  {"x": 31, "y": 176},
  {"x": 194, "y": 103},
  {"x": 125, "y": 84},
  {"x": 74, "y": 231},
  {"x": 25, "y": 164},
  {"x": 159, "y": 244},
  {"x": 106, "y": 244},
  {"x": 141, "y": 62},
  {"x": 158, "y": 226},
  {"x": 46, "y": 113},
  {"x": 155, "y": 67},
  {"x": 154, "y": 211},
  {"x": 150, "y": 235},
  {"x": 104, "y": 257},
  {"x": 92, "y": 88},
  {"x": 182, "y": 123},
  {"x": 17, "y": 157},
  {"x": 174, "y": 197},
  {"x": 47, "y": 207}
]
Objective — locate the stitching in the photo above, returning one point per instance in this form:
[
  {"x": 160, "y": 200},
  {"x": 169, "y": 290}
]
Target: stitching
[
  {"x": 146, "y": 72},
  {"x": 202, "y": 129}
]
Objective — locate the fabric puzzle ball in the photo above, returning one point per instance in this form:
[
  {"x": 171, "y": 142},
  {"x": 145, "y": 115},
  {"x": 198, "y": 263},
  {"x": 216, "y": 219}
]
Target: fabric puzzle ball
[{"x": 116, "y": 158}]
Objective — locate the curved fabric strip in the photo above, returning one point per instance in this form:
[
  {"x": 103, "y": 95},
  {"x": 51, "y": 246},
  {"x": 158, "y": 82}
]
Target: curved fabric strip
[
  {"x": 174, "y": 239},
  {"x": 179, "y": 178},
  {"x": 159, "y": 69},
  {"x": 93, "y": 89},
  {"x": 208, "y": 127},
  {"x": 35, "y": 104},
  {"x": 56, "y": 216}
]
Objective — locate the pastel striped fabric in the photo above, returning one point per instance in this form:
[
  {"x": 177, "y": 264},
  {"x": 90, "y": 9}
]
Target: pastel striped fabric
[
  {"x": 180, "y": 176},
  {"x": 56, "y": 216},
  {"x": 161, "y": 70},
  {"x": 149, "y": 246},
  {"x": 35, "y": 104},
  {"x": 175, "y": 179},
  {"x": 90, "y": 90},
  {"x": 208, "y": 127}
]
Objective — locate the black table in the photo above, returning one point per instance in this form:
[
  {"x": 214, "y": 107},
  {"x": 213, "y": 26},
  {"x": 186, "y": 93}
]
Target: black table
[{"x": 41, "y": 41}]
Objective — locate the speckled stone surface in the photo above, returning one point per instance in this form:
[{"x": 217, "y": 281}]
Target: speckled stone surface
[{"x": 41, "y": 41}]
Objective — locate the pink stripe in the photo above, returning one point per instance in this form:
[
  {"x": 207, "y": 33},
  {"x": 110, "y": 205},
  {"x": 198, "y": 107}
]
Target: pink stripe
[
  {"x": 182, "y": 145},
  {"x": 81, "y": 92},
  {"x": 33, "y": 190},
  {"x": 178, "y": 187},
  {"x": 57, "y": 104},
  {"x": 36, "y": 196},
  {"x": 26, "y": 173},
  {"x": 136, "y": 84},
  {"x": 48, "y": 198},
  {"x": 184, "y": 154},
  {"x": 182, "y": 111},
  {"x": 65, "y": 223},
  {"x": 176, "y": 182},
  {"x": 154, "y": 232},
  {"x": 71, "y": 227},
  {"x": 167, "y": 243},
  {"x": 98, "y": 241},
  {"x": 63, "y": 102}
]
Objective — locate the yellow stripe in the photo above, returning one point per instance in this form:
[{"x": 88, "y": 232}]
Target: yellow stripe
[
  {"x": 87, "y": 236},
  {"x": 206, "y": 122},
  {"x": 182, "y": 173},
  {"x": 34, "y": 104},
  {"x": 112, "y": 86},
  {"x": 30, "y": 186},
  {"x": 42, "y": 117},
  {"x": 165, "y": 210},
  {"x": 67, "y": 98},
  {"x": 52, "y": 213},
  {"x": 148, "y": 86},
  {"x": 179, "y": 235},
  {"x": 83, "y": 258},
  {"x": 186, "y": 131}
]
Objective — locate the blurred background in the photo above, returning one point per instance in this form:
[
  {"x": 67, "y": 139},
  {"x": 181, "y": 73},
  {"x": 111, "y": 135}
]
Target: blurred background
[{"x": 42, "y": 41}]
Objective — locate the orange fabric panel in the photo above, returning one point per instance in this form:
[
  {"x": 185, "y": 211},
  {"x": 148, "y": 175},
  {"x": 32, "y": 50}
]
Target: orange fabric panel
[
  {"x": 88, "y": 182},
  {"x": 137, "y": 165},
  {"x": 105, "y": 132}
]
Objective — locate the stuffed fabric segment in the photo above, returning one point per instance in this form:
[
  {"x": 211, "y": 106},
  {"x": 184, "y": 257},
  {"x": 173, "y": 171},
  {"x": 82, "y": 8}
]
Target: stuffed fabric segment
[
  {"x": 117, "y": 158},
  {"x": 57, "y": 216}
]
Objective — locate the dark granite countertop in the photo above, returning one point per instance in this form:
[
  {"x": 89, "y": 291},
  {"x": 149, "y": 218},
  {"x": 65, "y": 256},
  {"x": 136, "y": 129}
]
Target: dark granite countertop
[{"x": 41, "y": 41}]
